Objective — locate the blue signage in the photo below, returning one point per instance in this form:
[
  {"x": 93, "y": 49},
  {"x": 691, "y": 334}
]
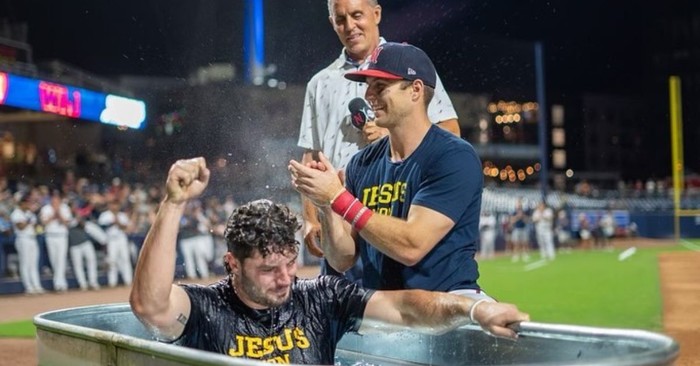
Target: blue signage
[{"x": 69, "y": 101}]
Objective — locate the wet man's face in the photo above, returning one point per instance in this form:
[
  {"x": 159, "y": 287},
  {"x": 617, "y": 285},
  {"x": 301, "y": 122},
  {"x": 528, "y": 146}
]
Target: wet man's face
[{"x": 265, "y": 282}]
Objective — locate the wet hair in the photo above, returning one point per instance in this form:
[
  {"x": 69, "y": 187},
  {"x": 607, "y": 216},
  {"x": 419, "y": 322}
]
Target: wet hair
[
  {"x": 332, "y": 2},
  {"x": 262, "y": 225}
]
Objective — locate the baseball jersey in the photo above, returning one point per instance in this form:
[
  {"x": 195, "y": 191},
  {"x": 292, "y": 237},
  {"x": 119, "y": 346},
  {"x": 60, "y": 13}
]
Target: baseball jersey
[
  {"x": 325, "y": 122},
  {"x": 20, "y": 216},
  {"x": 109, "y": 220},
  {"x": 54, "y": 226},
  {"x": 442, "y": 174},
  {"x": 304, "y": 330}
]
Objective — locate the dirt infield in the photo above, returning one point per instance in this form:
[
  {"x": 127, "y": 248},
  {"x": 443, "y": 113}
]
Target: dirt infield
[
  {"x": 679, "y": 277},
  {"x": 680, "y": 285}
]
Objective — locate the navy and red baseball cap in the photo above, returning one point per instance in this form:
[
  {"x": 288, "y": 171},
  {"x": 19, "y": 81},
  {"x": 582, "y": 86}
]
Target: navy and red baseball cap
[{"x": 397, "y": 61}]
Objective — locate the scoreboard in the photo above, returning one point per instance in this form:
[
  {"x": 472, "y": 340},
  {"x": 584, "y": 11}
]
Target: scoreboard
[{"x": 69, "y": 101}]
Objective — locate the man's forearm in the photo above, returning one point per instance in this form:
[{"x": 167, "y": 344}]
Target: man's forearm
[
  {"x": 338, "y": 244},
  {"x": 309, "y": 212},
  {"x": 438, "y": 312},
  {"x": 419, "y": 310}
]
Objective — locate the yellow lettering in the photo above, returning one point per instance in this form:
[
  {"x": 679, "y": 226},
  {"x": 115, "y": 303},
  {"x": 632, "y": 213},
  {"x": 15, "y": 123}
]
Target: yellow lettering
[
  {"x": 366, "y": 196},
  {"x": 385, "y": 193},
  {"x": 287, "y": 337},
  {"x": 269, "y": 345},
  {"x": 254, "y": 345},
  {"x": 384, "y": 211},
  {"x": 372, "y": 201},
  {"x": 302, "y": 341},
  {"x": 238, "y": 352},
  {"x": 402, "y": 196},
  {"x": 280, "y": 359},
  {"x": 397, "y": 190}
]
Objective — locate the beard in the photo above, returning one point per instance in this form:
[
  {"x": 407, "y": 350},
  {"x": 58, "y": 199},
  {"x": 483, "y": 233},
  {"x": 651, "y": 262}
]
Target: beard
[{"x": 259, "y": 296}]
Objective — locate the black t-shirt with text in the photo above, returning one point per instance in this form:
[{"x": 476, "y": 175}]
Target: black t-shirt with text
[{"x": 304, "y": 330}]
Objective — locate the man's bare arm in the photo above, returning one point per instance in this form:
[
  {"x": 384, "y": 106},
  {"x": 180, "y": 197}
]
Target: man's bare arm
[
  {"x": 309, "y": 213},
  {"x": 438, "y": 312},
  {"x": 155, "y": 300}
]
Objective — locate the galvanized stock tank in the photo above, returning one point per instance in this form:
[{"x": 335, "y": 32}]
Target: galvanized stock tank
[{"x": 111, "y": 335}]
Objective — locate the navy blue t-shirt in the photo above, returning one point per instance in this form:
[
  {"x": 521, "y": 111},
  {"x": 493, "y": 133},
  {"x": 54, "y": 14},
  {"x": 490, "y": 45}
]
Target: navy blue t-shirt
[
  {"x": 304, "y": 330},
  {"x": 442, "y": 174}
]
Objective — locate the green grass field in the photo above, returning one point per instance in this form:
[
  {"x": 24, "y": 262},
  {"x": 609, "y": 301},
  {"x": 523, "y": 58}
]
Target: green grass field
[
  {"x": 591, "y": 288},
  {"x": 18, "y": 329}
]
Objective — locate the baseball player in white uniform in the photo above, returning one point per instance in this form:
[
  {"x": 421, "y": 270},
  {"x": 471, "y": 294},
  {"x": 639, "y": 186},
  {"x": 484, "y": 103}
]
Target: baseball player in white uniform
[
  {"x": 24, "y": 225},
  {"x": 55, "y": 216}
]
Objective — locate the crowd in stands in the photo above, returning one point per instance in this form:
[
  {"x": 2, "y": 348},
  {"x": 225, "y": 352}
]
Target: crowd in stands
[
  {"x": 84, "y": 233},
  {"x": 81, "y": 228},
  {"x": 521, "y": 220}
]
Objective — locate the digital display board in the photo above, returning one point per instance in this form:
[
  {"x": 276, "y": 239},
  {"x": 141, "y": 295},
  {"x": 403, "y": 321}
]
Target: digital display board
[{"x": 69, "y": 101}]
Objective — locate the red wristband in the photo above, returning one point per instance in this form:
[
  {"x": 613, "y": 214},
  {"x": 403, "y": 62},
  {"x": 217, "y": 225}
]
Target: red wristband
[
  {"x": 351, "y": 210},
  {"x": 362, "y": 218},
  {"x": 342, "y": 202}
]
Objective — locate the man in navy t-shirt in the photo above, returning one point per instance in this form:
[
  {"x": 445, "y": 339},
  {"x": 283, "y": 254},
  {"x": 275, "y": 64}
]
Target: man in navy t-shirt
[{"x": 413, "y": 197}]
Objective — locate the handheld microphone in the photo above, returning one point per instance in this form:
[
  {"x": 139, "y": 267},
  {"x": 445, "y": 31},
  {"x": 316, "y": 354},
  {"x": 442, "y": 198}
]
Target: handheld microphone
[{"x": 360, "y": 112}]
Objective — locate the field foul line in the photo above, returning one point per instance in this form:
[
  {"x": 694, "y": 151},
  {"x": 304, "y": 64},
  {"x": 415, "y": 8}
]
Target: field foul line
[
  {"x": 535, "y": 265},
  {"x": 690, "y": 245}
]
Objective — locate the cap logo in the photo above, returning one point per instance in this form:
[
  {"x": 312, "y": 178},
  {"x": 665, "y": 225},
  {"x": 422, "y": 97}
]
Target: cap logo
[
  {"x": 411, "y": 71},
  {"x": 375, "y": 54}
]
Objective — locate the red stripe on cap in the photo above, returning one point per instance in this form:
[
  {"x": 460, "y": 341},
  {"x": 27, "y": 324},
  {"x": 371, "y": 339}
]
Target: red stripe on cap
[{"x": 363, "y": 74}]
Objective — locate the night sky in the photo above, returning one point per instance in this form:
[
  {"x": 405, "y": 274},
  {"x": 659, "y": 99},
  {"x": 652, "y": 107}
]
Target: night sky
[{"x": 592, "y": 45}]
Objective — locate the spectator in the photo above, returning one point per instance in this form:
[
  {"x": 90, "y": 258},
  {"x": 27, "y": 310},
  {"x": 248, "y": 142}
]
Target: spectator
[
  {"x": 487, "y": 234},
  {"x": 543, "y": 218},
  {"x": 584, "y": 231},
  {"x": 115, "y": 223},
  {"x": 562, "y": 229},
  {"x": 55, "y": 216},
  {"x": 196, "y": 244},
  {"x": 607, "y": 228},
  {"x": 82, "y": 250},
  {"x": 24, "y": 225},
  {"x": 519, "y": 221}
]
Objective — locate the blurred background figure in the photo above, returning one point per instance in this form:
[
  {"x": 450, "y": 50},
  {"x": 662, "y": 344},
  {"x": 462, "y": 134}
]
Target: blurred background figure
[
  {"x": 519, "y": 235},
  {"x": 82, "y": 250},
  {"x": 487, "y": 234},
  {"x": 218, "y": 214},
  {"x": 196, "y": 242},
  {"x": 141, "y": 216},
  {"x": 543, "y": 218},
  {"x": 562, "y": 230},
  {"x": 584, "y": 231},
  {"x": 115, "y": 222},
  {"x": 55, "y": 216},
  {"x": 24, "y": 225},
  {"x": 607, "y": 229},
  {"x": 507, "y": 229}
]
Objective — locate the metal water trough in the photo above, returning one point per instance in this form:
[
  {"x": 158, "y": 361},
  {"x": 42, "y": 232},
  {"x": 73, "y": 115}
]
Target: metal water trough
[{"x": 111, "y": 335}]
